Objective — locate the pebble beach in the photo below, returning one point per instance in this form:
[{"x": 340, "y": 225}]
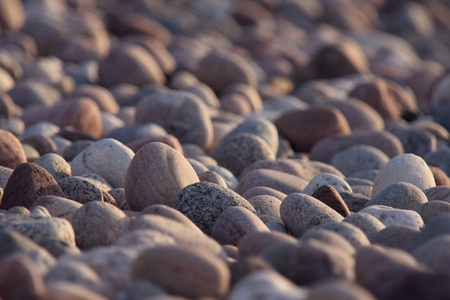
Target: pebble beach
[{"x": 224, "y": 150}]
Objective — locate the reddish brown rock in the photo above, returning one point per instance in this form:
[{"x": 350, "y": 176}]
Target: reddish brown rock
[
  {"x": 27, "y": 183},
  {"x": 11, "y": 150},
  {"x": 81, "y": 113},
  {"x": 129, "y": 64},
  {"x": 303, "y": 128},
  {"x": 12, "y": 15},
  {"x": 386, "y": 97},
  {"x": 439, "y": 176},
  {"x": 104, "y": 99},
  {"x": 325, "y": 149},
  {"x": 328, "y": 195}
]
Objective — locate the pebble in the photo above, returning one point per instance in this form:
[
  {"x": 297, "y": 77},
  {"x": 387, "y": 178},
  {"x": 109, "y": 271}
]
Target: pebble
[
  {"x": 263, "y": 191},
  {"x": 436, "y": 227},
  {"x": 132, "y": 133},
  {"x": 75, "y": 148},
  {"x": 330, "y": 238},
  {"x": 400, "y": 195},
  {"x": 27, "y": 93},
  {"x": 359, "y": 158},
  {"x": 96, "y": 159},
  {"x": 408, "y": 168},
  {"x": 304, "y": 128},
  {"x": 439, "y": 176},
  {"x": 42, "y": 143},
  {"x": 68, "y": 290},
  {"x": 254, "y": 243},
  {"x": 43, "y": 127},
  {"x": 90, "y": 221},
  {"x": 55, "y": 165},
  {"x": 213, "y": 177},
  {"x": 414, "y": 140},
  {"x": 339, "y": 290},
  {"x": 166, "y": 139},
  {"x": 433, "y": 253},
  {"x": 150, "y": 180},
  {"x": 58, "y": 207},
  {"x": 397, "y": 236},
  {"x": 11, "y": 150},
  {"x": 301, "y": 212},
  {"x": 181, "y": 113},
  {"x": 351, "y": 233},
  {"x": 226, "y": 175},
  {"x": 367, "y": 223},
  {"x": 83, "y": 190},
  {"x": 439, "y": 158},
  {"x": 393, "y": 217},
  {"x": 328, "y": 195},
  {"x": 339, "y": 184},
  {"x": 325, "y": 149},
  {"x": 27, "y": 183},
  {"x": 280, "y": 181},
  {"x": 431, "y": 209},
  {"x": 168, "y": 266},
  {"x": 266, "y": 205},
  {"x": 234, "y": 223},
  {"x": 241, "y": 150},
  {"x": 204, "y": 202},
  {"x": 104, "y": 99}
]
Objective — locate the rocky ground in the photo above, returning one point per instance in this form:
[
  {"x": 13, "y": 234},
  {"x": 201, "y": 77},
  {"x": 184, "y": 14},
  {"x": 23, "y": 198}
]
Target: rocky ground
[{"x": 237, "y": 150}]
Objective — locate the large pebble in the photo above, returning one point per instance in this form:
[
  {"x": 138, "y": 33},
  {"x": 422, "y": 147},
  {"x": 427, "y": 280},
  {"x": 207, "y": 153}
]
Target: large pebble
[
  {"x": 408, "y": 168},
  {"x": 204, "y": 202},
  {"x": 301, "y": 212},
  {"x": 400, "y": 195},
  {"x": 37, "y": 227},
  {"x": 11, "y": 150},
  {"x": 220, "y": 69},
  {"x": 241, "y": 150},
  {"x": 393, "y": 217},
  {"x": 434, "y": 253},
  {"x": 55, "y": 165},
  {"x": 84, "y": 190},
  {"x": 156, "y": 175},
  {"x": 99, "y": 158},
  {"x": 303, "y": 128},
  {"x": 339, "y": 184},
  {"x": 27, "y": 183},
  {"x": 58, "y": 207},
  {"x": 358, "y": 158},
  {"x": 280, "y": 181},
  {"x": 98, "y": 224},
  {"x": 129, "y": 64},
  {"x": 266, "y": 205},
  {"x": 181, "y": 113},
  {"x": 431, "y": 209},
  {"x": 395, "y": 237},
  {"x": 414, "y": 140},
  {"x": 170, "y": 266},
  {"x": 325, "y": 149},
  {"x": 234, "y": 223}
]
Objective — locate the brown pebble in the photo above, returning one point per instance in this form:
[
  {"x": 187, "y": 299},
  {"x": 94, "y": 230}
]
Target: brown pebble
[
  {"x": 439, "y": 176},
  {"x": 42, "y": 143},
  {"x": 328, "y": 195},
  {"x": 11, "y": 150}
]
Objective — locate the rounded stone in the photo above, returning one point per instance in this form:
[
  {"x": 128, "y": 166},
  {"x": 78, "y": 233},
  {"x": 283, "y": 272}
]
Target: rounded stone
[
  {"x": 241, "y": 150},
  {"x": 234, "y": 223},
  {"x": 42, "y": 143},
  {"x": 367, "y": 223},
  {"x": 204, "y": 202},
  {"x": 171, "y": 213},
  {"x": 439, "y": 176},
  {"x": 266, "y": 205},
  {"x": 182, "y": 271},
  {"x": 414, "y": 140},
  {"x": 212, "y": 177},
  {"x": 436, "y": 227},
  {"x": 408, "y": 168},
  {"x": 330, "y": 238},
  {"x": 339, "y": 184},
  {"x": 156, "y": 175},
  {"x": 55, "y": 165},
  {"x": 28, "y": 92},
  {"x": 392, "y": 216},
  {"x": 328, "y": 195},
  {"x": 58, "y": 207},
  {"x": 98, "y": 224},
  {"x": 304, "y": 128},
  {"x": 255, "y": 243},
  {"x": 108, "y": 158},
  {"x": 262, "y": 191},
  {"x": 358, "y": 158},
  {"x": 355, "y": 236},
  {"x": 11, "y": 150},
  {"x": 103, "y": 97},
  {"x": 84, "y": 190},
  {"x": 440, "y": 158},
  {"x": 27, "y": 183},
  {"x": 434, "y": 253},
  {"x": 220, "y": 69},
  {"x": 339, "y": 290},
  {"x": 400, "y": 195},
  {"x": 301, "y": 212},
  {"x": 129, "y": 64},
  {"x": 325, "y": 149},
  {"x": 395, "y": 237},
  {"x": 181, "y": 113},
  {"x": 431, "y": 209}
]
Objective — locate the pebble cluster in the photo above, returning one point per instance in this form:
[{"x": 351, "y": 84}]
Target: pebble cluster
[{"x": 238, "y": 149}]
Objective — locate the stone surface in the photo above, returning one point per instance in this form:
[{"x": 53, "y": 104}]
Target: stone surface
[
  {"x": 339, "y": 184},
  {"x": 97, "y": 157},
  {"x": 301, "y": 212},
  {"x": 182, "y": 114},
  {"x": 393, "y": 217},
  {"x": 171, "y": 266},
  {"x": 304, "y": 128},
  {"x": 204, "y": 202},
  {"x": 234, "y": 223},
  {"x": 98, "y": 224},
  {"x": 358, "y": 158},
  {"x": 400, "y": 195},
  {"x": 328, "y": 195},
  {"x": 27, "y": 183},
  {"x": 325, "y": 149},
  {"x": 11, "y": 150},
  {"x": 408, "y": 168},
  {"x": 156, "y": 175}
]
